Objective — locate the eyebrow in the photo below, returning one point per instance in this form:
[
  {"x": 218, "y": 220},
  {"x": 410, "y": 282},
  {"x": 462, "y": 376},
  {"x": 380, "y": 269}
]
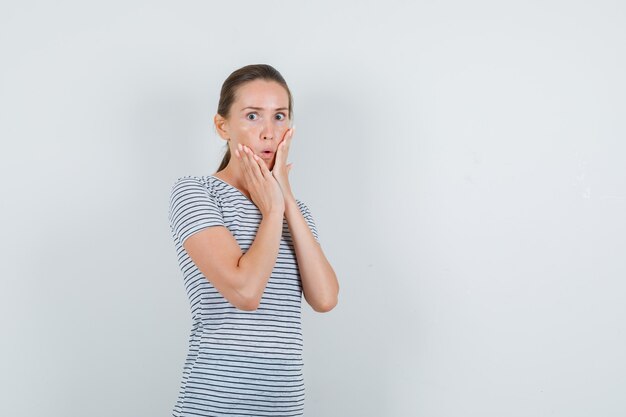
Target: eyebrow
[{"x": 261, "y": 108}]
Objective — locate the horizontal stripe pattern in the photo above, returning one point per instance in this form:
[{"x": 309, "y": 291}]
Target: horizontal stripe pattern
[{"x": 239, "y": 363}]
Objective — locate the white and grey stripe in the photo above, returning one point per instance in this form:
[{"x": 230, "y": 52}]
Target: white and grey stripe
[{"x": 239, "y": 363}]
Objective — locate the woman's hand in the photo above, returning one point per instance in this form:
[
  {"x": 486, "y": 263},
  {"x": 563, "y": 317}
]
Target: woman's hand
[
  {"x": 264, "y": 190},
  {"x": 281, "y": 169}
]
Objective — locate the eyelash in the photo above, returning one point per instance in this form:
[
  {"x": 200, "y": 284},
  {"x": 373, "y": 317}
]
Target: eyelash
[{"x": 284, "y": 117}]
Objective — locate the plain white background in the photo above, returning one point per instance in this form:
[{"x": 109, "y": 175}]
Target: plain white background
[{"x": 464, "y": 163}]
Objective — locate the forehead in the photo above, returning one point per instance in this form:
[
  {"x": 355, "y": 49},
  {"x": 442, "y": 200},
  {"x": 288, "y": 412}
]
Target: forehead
[{"x": 262, "y": 93}]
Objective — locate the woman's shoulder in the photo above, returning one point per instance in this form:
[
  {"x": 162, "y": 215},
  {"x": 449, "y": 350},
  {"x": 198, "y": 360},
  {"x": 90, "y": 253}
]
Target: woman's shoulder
[
  {"x": 208, "y": 184},
  {"x": 188, "y": 181},
  {"x": 194, "y": 182}
]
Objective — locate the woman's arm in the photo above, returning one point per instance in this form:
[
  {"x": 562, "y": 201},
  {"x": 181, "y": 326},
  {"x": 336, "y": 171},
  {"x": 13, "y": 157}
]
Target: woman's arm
[
  {"x": 319, "y": 282},
  {"x": 240, "y": 278}
]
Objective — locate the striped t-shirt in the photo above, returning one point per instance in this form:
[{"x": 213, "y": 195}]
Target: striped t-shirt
[{"x": 239, "y": 363}]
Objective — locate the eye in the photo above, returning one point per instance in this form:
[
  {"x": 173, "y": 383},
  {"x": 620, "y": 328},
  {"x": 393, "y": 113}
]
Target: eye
[
  {"x": 250, "y": 114},
  {"x": 283, "y": 116}
]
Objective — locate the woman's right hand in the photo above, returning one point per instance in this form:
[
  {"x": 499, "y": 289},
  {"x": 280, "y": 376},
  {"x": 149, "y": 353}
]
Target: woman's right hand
[{"x": 264, "y": 190}]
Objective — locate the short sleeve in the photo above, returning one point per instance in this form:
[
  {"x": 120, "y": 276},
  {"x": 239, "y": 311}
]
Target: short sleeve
[
  {"x": 192, "y": 208},
  {"x": 306, "y": 213}
]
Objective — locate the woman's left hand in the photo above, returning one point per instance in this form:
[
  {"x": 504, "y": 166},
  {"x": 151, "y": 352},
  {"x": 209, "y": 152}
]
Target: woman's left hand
[{"x": 281, "y": 169}]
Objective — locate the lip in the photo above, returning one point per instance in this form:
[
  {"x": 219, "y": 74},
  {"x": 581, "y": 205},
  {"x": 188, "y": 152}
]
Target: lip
[{"x": 266, "y": 154}]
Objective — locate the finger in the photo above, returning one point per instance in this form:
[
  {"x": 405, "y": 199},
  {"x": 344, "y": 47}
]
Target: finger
[
  {"x": 246, "y": 165},
  {"x": 283, "y": 147},
  {"x": 265, "y": 171},
  {"x": 292, "y": 131},
  {"x": 287, "y": 137},
  {"x": 254, "y": 163},
  {"x": 287, "y": 142}
]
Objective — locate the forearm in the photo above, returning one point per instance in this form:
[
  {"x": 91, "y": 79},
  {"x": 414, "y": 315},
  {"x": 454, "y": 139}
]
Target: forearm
[
  {"x": 256, "y": 265},
  {"x": 319, "y": 282}
]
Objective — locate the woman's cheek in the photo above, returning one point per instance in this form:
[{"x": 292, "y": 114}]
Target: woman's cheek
[{"x": 247, "y": 131}]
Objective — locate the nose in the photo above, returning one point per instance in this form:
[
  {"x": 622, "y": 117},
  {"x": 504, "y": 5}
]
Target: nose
[{"x": 268, "y": 131}]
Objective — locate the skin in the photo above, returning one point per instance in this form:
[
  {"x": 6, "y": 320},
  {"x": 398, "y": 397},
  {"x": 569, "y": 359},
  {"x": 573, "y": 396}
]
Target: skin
[
  {"x": 257, "y": 130},
  {"x": 264, "y": 180}
]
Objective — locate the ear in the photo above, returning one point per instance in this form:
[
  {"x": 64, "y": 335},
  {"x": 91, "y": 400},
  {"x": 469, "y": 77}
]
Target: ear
[{"x": 221, "y": 125}]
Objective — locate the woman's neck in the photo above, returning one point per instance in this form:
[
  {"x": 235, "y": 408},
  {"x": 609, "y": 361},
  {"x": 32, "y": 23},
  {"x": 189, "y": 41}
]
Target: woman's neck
[{"x": 234, "y": 177}]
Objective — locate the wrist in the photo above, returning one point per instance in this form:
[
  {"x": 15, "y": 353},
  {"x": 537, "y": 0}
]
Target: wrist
[
  {"x": 290, "y": 200},
  {"x": 274, "y": 215}
]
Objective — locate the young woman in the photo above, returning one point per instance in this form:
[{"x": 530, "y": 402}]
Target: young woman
[{"x": 248, "y": 251}]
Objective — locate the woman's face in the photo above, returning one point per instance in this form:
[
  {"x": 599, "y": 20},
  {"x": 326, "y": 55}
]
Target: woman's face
[{"x": 259, "y": 118}]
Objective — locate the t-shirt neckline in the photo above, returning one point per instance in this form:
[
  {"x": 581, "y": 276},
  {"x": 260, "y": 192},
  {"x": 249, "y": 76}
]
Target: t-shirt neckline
[{"x": 233, "y": 187}]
